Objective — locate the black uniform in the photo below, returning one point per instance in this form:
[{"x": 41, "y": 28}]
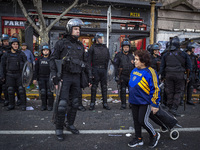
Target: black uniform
[
  {"x": 173, "y": 66},
  {"x": 191, "y": 83},
  {"x": 72, "y": 52},
  {"x": 155, "y": 62},
  {"x": 42, "y": 71},
  {"x": 99, "y": 55},
  {"x": 3, "y": 87},
  {"x": 12, "y": 65},
  {"x": 123, "y": 67}
]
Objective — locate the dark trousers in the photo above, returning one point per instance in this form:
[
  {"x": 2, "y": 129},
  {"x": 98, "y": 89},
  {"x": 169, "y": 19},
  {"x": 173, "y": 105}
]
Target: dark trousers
[
  {"x": 141, "y": 119},
  {"x": 100, "y": 75},
  {"x": 69, "y": 95},
  {"x": 13, "y": 82},
  {"x": 124, "y": 80},
  {"x": 45, "y": 92},
  {"x": 174, "y": 88},
  {"x": 190, "y": 86}
]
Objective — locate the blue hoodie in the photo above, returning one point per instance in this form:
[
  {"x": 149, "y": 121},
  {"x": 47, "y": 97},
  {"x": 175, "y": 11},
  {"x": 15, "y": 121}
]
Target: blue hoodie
[{"x": 144, "y": 87}]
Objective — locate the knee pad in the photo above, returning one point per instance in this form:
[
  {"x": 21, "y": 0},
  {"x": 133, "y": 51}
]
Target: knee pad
[
  {"x": 104, "y": 87},
  {"x": 123, "y": 90},
  {"x": 75, "y": 103},
  {"x": 49, "y": 94},
  {"x": 43, "y": 92},
  {"x": 62, "y": 106},
  {"x": 21, "y": 90},
  {"x": 11, "y": 90}
]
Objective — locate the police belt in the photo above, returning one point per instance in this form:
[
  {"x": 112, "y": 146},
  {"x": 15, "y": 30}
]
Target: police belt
[
  {"x": 13, "y": 72},
  {"x": 100, "y": 67}
]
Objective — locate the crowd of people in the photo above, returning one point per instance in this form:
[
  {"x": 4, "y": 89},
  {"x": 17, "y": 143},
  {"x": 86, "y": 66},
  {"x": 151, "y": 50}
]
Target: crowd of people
[{"x": 69, "y": 64}]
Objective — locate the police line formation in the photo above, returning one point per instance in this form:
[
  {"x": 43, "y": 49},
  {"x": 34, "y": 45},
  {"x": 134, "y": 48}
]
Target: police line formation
[{"x": 70, "y": 68}]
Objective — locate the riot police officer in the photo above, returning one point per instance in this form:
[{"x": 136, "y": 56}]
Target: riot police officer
[
  {"x": 155, "y": 57},
  {"x": 12, "y": 63},
  {"x": 99, "y": 55},
  {"x": 193, "y": 72},
  {"x": 124, "y": 64},
  {"x": 4, "y": 48},
  {"x": 71, "y": 52},
  {"x": 174, "y": 63},
  {"x": 41, "y": 74}
]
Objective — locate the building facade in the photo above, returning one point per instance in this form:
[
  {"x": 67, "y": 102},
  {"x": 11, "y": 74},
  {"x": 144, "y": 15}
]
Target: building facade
[
  {"x": 178, "y": 18},
  {"x": 129, "y": 19}
]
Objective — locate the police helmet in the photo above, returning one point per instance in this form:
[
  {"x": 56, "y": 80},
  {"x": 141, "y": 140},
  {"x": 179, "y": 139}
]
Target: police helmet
[
  {"x": 12, "y": 40},
  {"x": 73, "y": 23},
  {"x": 98, "y": 35},
  {"x": 126, "y": 42},
  {"x": 190, "y": 46},
  {"x": 155, "y": 47},
  {"x": 45, "y": 47},
  {"x": 5, "y": 37},
  {"x": 149, "y": 47},
  {"x": 174, "y": 43}
]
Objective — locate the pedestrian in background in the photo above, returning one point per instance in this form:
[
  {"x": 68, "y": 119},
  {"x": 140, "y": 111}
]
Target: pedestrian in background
[{"x": 144, "y": 97}]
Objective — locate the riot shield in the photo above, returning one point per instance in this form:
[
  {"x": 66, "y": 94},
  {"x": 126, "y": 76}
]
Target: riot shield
[{"x": 27, "y": 74}]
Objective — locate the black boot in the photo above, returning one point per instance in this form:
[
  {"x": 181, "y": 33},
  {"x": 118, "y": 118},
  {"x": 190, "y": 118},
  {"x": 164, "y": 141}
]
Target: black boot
[
  {"x": 44, "y": 99},
  {"x": 11, "y": 97},
  {"x": 59, "y": 134},
  {"x": 92, "y": 105},
  {"x": 50, "y": 100},
  {"x": 190, "y": 103},
  {"x": 104, "y": 96},
  {"x": 22, "y": 95},
  {"x": 93, "y": 97},
  {"x": 71, "y": 115},
  {"x": 105, "y": 106},
  {"x": 10, "y": 107},
  {"x": 123, "y": 106},
  {"x": 81, "y": 108},
  {"x": 173, "y": 111},
  {"x": 123, "y": 98}
]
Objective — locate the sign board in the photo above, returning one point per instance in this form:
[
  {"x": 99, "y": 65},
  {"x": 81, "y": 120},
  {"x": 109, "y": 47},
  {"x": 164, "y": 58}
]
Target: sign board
[{"x": 14, "y": 23}]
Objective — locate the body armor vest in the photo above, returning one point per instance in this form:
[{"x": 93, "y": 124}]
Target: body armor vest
[
  {"x": 175, "y": 62},
  {"x": 13, "y": 62},
  {"x": 125, "y": 63},
  {"x": 44, "y": 69},
  {"x": 100, "y": 54},
  {"x": 73, "y": 56}
]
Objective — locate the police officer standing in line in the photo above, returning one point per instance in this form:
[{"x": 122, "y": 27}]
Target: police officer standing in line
[
  {"x": 124, "y": 64},
  {"x": 4, "y": 48},
  {"x": 174, "y": 63},
  {"x": 12, "y": 63},
  {"x": 41, "y": 74},
  {"x": 71, "y": 51},
  {"x": 193, "y": 72},
  {"x": 155, "y": 57},
  {"x": 99, "y": 55}
]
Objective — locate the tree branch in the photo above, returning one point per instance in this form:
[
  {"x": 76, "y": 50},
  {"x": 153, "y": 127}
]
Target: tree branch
[
  {"x": 27, "y": 16},
  {"x": 59, "y": 17},
  {"x": 38, "y": 7}
]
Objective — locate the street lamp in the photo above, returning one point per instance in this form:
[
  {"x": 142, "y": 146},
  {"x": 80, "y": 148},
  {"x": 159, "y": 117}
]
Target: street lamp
[{"x": 153, "y": 3}]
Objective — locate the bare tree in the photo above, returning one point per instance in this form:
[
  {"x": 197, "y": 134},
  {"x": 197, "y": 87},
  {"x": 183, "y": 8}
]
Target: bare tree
[{"x": 43, "y": 29}]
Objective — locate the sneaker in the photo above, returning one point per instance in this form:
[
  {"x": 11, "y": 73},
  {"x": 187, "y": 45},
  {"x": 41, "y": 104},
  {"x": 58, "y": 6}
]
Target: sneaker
[
  {"x": 135, "y": 142},
  {"x": 154, "y": 140}
]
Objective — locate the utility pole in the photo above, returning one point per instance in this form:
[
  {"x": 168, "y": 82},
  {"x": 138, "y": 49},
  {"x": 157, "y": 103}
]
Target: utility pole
[
  {"x": 108, "y": 25},
  {"x": 153, "y": 3}
]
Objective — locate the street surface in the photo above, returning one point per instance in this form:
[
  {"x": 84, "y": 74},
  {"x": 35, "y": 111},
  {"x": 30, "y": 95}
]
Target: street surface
[{"x": 100, "y": 129}]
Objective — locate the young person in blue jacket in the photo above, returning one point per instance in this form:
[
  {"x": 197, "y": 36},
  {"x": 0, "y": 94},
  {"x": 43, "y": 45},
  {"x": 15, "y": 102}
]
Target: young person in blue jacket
[{"x": 144, "y": 97}]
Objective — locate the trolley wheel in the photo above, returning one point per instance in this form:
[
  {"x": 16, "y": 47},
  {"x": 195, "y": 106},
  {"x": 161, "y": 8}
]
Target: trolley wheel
[
  {"x": 174, "y": 134},
  {"x": 163, "y": 130}
]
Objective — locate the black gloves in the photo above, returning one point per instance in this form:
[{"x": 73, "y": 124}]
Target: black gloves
[{"x": 56, "y": 80}]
